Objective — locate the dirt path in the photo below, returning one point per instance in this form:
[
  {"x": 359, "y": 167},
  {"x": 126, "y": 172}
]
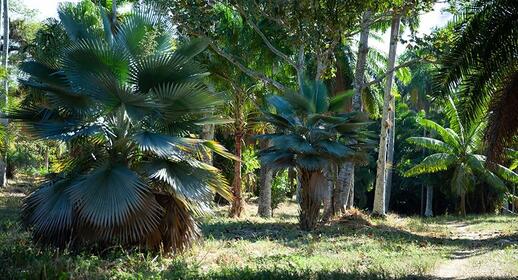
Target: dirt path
[{"x": 472, "y": 260}]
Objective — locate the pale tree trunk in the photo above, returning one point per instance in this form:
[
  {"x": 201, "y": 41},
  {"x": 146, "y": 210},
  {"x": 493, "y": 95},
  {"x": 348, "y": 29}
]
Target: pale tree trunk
[
  {"x": 463, "y": 203},
  {"x": 3, "y": 167},
  {"x": 47, "y": 158},
  {"x": 429, "y": 201},
  {"x": 265, "y": 186},
  {"x": 379, "y": 195},
  {"x": 114, "y": 13},
  {"x": 346, "y": 173},
  {"x": 390, "y": 157},
  {"x": 332, "y": 197}
]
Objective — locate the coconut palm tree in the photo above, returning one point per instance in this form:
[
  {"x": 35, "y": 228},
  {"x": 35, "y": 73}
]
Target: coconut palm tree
[
  {"x": 127, "y": 105},
  {"x": 457, "y": 149},
  {"x": 310, "y": 136},
  {"x": 482, "y": 63}
]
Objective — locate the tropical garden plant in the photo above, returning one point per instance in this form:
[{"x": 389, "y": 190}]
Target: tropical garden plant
[
  {"x": 128, "y": 107},
  {"x": 458, "y": 148},
  {"x": 311, "y": 137},
  {"x": 482, "y": 64}
]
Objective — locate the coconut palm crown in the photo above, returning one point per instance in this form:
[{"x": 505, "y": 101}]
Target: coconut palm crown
[
  {"x": 127, "y": 105},
  {"x": 311, "y": 136},
  {"x": 458, "y": 149}
]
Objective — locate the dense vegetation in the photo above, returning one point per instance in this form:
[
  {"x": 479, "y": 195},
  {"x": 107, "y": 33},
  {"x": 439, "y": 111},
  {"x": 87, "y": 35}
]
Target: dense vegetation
[{"x": 131, "y": 129}]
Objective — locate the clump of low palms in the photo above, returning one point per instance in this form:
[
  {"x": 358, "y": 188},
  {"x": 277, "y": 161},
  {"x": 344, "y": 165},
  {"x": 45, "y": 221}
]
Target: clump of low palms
[
  {"x": 312, "y": 136},
  {"x": 458, "y": 147},
  {"x": 128, "y": 106}
]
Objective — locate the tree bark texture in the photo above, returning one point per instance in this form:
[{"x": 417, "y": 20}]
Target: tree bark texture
[
  {"x": 429, "y": 201},
  {"x": 379, "y": 195},
  {"x": 309, "y": 199},
  {"x": 390, "y": 157},
  {"x": 265, "y": 186},
  {"x": 237, "y": 202},
  {"x": 5, "y": 8},
  {"x": 346, "y": 174}
]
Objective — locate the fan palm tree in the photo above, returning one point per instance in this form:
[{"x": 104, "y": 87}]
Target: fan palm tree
[
  {"x": 483, "y": 65},
  {"x": 127, "y": 105},
  {"x": 310, "y": 136},
  {"x": 457, "y": 149}
]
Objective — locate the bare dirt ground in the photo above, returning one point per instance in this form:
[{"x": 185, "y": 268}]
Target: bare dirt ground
[{"x": 479, "y": 258}]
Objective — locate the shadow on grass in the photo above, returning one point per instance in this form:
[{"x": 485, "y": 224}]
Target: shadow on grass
[
  {"x": 180, "y": 270},
  {"x": 288, "y": 234}
]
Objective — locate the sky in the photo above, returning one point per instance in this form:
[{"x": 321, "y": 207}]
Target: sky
[{"x": 429, "y": 20}]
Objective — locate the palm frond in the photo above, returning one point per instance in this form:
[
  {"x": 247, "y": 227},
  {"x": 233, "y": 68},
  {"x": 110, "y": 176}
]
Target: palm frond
[{"x": 432, "y": 163}]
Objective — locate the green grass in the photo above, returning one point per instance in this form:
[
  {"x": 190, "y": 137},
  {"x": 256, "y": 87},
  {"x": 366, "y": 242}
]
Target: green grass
[{"x": 256, "y": 248}]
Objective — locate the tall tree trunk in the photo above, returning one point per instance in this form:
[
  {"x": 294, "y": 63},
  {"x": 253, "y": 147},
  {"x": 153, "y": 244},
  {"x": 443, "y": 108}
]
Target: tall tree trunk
[
  {"x": 3, "y": 167},
  {"x": 379, "y": 195},
  {"x": 265, "y": 186},
  {"x": 114, "y": 13},
  {"x": 463, "y": 203},
  {"x": 309, "y": 199},
  {"x": 429, "y": 201},
  {"x": 237, "y": 202},
  {"x": 329, "y": 195},
  {"x": 47, "y": 158},
  {"x": 346, "y": 173},
  {"x": 390, "y": 157}
]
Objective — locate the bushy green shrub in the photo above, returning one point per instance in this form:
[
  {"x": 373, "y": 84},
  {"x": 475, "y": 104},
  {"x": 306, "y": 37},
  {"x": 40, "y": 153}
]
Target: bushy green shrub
[{"x": 280, "y": 188}]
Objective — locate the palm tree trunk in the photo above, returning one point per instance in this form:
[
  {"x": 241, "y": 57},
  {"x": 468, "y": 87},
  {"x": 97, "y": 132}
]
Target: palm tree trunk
[
  {"x": 346, "y": 173},
  {"x": 309, "y": 201},
  {"x": 379, "y": 195},
  {"x": 3, "y": 167},
  {"x": 265, "y": 187},
  {"x": 237, "y": 202},
  {"x": 429, "y": 201}
]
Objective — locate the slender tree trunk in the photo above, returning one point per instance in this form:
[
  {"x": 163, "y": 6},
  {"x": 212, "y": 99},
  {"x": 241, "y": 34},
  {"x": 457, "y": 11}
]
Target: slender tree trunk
[
  {"x": 3, "y": 167},
  {"x": 265, "y": 187},
  {"x": 46, "y": 158},
  {"x": 429, "y": 201},
  {"x": 463, "y": 203},
  {"x": 390, "y": 158},
  {"x": 237, "y": 202},
  {"x": 309, "y": 200},
  {"x": 379, "y": 196},
  {"x": 114, "y": 13},
  {"x": 346, "y": 173},
  {"x": 333, "y": 200}
]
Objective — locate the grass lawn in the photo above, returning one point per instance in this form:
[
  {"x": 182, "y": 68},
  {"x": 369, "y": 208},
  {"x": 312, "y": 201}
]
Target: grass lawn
[{"x": 255, "y": 248}]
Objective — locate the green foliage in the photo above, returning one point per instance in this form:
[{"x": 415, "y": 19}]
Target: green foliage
[
  {"x": 309, "y": 136},
  {"x": 457, "y": 149},
  {"x": 280, "y": 188},
  {"x": 127, "y": 114},
  {"x": 250, "y": 165},
  {"x": 482, "y": 69}
]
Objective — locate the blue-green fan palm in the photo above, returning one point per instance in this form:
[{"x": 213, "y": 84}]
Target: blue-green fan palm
[
  {"x": 311, "y": 136},
  {"x": 127, "y": 106},
  {"x": 457, "y": 149}
]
